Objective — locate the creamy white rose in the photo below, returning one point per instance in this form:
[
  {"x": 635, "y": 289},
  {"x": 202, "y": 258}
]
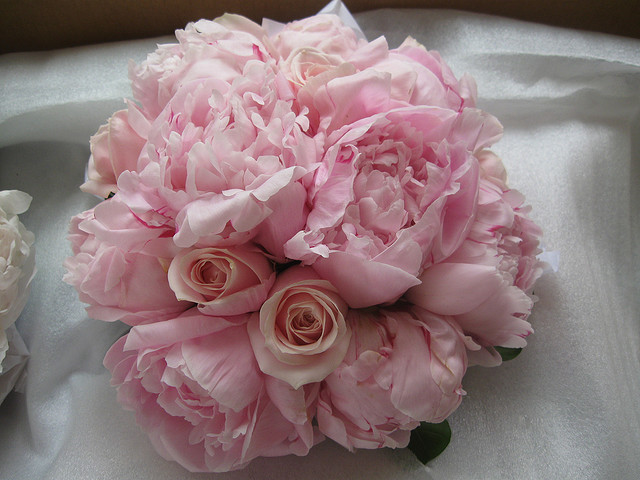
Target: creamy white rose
[
  {"x": 17, "y": 262},
  {"x": 307, "y": 62}
]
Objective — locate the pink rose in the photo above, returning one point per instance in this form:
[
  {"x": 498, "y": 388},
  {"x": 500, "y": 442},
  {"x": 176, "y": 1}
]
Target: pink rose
[
  {"x": 389, "y": 199},
  {"x": 114, "y": 148},
  {"x": 300, "y": 334},
  {"x": 484, "y": 285},
  {"x": 119, "y": 282},
  {"x": 196, "y": 390},
  {"x": 321, "y": 33},
  {"x": 305, "y": 63},
  {"x": 403, "y": 366},
  {"x": 313, "y": 46},
  {"x": 222, "y": 281}
]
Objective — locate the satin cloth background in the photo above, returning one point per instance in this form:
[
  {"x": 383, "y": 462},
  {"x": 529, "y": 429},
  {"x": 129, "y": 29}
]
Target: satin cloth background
[{"x": 568, "y": 407}]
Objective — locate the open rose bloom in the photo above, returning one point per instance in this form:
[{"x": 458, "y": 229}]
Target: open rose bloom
[{"x": 309, "y": 237}]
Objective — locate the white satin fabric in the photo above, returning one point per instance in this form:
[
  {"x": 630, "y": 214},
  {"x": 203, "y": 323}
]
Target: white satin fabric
[{"x": 568, "y": 407}]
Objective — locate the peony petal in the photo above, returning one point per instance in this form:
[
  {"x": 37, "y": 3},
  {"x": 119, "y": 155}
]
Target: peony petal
[
  {"x": 288, "y": 217},
  {"x": 277, "y": 182},
  {"x": 210, "y": 214},
  {"x": 190, "y": 324},
  {"x": 476, "y": 129},
  {"x": 290, "y": 401},
  {"x": 348, "y": 273},
  {"x": 404, "y": 253},
  {"x": 442, "y": 345},
  {"x": 347, "y": 99},
  {"x": 454, "y": 288},
  {"x": 335, "y": 194},
  {"x": 497, "y": 321},
  {"x": 485, "y": 357},
  {"x": 459, "y": 212},
  {"x": 217, "y": 361}
]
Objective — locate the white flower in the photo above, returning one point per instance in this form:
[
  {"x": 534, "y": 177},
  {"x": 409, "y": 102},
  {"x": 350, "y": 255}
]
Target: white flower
[{"x": 17, "y": 262}]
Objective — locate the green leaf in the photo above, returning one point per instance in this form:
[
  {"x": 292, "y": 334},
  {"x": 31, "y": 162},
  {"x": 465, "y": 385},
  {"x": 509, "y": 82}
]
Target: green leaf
[
  {"x": 429, "y": 440},
  {"x": 508, "y": 353}
]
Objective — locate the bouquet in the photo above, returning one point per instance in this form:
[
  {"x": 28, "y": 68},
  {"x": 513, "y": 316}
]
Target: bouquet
[
  {"x": 308, "y": 237},
  {"x": 17, "y": 268}
]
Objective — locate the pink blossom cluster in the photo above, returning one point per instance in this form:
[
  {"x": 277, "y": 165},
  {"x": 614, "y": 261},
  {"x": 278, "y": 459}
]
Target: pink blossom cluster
[{"x": 308, "y": 237}]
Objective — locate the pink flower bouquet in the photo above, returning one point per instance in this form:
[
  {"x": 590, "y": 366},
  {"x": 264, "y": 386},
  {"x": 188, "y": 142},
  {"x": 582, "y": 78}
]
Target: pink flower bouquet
[{"x": 308, "y": 237}]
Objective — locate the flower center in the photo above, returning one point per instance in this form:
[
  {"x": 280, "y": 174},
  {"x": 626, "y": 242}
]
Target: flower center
[
  {"x": 211, "y": 274},
  {"x": 305, "y": 327},
  {"x": 306, "y": 320}
]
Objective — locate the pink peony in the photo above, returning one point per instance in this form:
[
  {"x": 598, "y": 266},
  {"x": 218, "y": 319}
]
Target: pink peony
[
  {"x": 114, "y": 149},
  {"x": 198, "y": 393},
  {"x": 397, "y": 186},
  {"x": 389, "y": 200},
  {"x": 330, "y": 86},
  {"x": 222, "y": 281},
  {"x": 300, "y": 335},
  {"x": 404, "y": 365},
  {"x": 226, "y": 155},
  {"x": 484, "y": 285},
  {"x": 205, "y": 49},
  {"x": 112, "y": 271}
]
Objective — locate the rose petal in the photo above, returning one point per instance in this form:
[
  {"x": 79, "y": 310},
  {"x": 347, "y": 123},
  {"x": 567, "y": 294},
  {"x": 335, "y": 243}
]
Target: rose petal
[{"x": 299, "y": 374}]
